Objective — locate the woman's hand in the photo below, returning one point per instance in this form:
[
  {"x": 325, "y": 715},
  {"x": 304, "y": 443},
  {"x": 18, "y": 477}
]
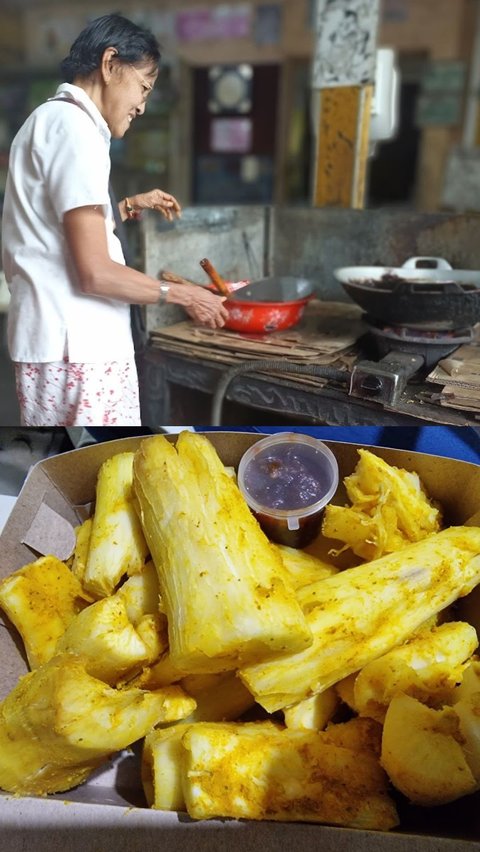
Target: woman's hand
[
  {"x": 200, "y": 304},
  {"x": 158, "y": 200}
]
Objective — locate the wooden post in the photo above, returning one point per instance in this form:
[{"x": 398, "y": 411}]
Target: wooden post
[
  {"x": 471, "y": 123},
  {"x": 343, "y": 80}
]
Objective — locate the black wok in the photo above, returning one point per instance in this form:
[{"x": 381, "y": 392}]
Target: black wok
[{"x": 424, "y": 292}]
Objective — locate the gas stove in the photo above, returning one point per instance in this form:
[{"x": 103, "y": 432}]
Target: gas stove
[{"x": 402, "y": 353}]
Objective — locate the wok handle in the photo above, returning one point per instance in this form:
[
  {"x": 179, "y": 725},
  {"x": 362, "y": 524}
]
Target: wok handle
[
  {"x": 426, "y": 263},
  {"x": 215, "y": 278}
]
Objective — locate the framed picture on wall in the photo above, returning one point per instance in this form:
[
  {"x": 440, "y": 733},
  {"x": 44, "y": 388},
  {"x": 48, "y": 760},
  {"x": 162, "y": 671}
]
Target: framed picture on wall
[{"x": 232, "y": 135}]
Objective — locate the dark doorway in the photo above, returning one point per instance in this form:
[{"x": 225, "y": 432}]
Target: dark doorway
[{"x": 393, "y": 167}]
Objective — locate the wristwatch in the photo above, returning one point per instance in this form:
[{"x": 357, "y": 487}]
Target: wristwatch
[{"x": 163, "y": 291}]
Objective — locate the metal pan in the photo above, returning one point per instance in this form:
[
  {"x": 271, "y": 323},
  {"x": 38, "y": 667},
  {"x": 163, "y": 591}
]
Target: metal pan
[
  {"x": 424, "y": 292},
  {"x": 276, "y": 289}
]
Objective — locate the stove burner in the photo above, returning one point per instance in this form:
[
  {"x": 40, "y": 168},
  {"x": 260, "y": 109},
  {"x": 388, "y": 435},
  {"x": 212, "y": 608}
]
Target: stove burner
[
  {"x": 427, "y": 336},
  {"x": 404, "y": 351},
  {"x": 431, "y": 344}
]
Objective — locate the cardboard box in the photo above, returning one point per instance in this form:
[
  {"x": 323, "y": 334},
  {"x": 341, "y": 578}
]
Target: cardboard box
[{"x": 108, "y": 812}]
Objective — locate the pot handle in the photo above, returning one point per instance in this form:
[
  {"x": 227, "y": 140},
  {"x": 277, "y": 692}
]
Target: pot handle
[{"x": 426, "y": 263}]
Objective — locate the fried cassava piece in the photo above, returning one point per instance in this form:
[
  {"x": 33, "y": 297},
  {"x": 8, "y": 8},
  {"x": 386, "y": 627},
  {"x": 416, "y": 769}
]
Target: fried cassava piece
[
  {"x": 389, "y": 509},
  {"x": 362, "y": 612},
  {"x": 59, "y": 724},
  {"x": 223, "y": 584},
  {"x": 41, "y": 599},
  {"x": 116, "y": 545},
  {"x": 423, "y": 752},
  {"x": 428, "y": 667},
  {"x": 262, "y": 771}
]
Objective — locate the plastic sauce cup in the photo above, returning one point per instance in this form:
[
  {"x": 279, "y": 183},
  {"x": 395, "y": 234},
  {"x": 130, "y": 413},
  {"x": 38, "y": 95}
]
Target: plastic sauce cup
[{"x": 287, "y": 479}]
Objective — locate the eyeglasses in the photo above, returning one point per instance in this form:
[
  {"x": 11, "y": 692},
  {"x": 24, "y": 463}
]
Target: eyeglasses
[{"x": 146, "y": 85}]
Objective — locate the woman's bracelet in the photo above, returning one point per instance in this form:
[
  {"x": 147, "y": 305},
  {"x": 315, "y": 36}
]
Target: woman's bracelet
[{"x": 131, "y": 212}]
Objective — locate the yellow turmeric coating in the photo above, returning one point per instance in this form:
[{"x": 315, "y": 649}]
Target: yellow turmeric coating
[
  {"x": 59, "y": 723},
  {"x": 258, "y": 771},
  {"x": 117, "y": 545},
  {"x": 362, "y": 612},
  {"x": 41, "y": 599},
  {"x": 223, "y": 584},
  {"x": 389, "y": 509}
]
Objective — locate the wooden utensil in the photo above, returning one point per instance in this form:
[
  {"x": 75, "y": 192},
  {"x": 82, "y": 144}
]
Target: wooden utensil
[
  {"x": 173, "y": 278},
  {"x": 214, "y": 276}
]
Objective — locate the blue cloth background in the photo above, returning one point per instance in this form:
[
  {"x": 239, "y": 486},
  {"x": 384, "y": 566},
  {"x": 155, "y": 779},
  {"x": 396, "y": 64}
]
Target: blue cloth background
[{"x": 456, "y": 442}]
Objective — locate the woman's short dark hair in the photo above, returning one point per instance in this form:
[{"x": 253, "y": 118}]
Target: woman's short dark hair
[{"x": 132, "y": 43}]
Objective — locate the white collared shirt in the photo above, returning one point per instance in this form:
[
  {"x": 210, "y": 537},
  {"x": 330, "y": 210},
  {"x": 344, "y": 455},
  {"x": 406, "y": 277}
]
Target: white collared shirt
[{"x": 59, "y": 160}]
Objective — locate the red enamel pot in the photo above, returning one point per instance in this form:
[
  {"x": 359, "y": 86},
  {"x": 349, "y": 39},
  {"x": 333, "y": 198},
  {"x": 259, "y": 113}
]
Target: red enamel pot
[{"x": 271, "y": 304}]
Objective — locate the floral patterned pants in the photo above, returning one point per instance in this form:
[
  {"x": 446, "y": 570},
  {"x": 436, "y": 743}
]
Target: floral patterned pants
[{"x": 65, "y": 394}]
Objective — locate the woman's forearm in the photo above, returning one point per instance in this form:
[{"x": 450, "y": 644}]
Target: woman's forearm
[
  {"x": 116, "y": 281},
  {"x": 96, "y": 273}
]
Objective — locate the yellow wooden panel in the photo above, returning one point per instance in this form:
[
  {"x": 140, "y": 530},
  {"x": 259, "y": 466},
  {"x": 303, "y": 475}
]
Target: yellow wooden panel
[
  {"x": 362, "y": 148},
  {"x": 342, "y": 146},
  {"x": 477, "y": 125}
]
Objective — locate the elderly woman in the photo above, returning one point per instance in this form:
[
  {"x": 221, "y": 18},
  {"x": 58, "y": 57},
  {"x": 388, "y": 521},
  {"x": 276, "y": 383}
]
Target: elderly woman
[{"x": 69, "y": 330}]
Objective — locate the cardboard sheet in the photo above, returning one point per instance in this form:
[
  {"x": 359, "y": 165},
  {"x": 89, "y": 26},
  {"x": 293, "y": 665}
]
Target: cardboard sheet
[
  {"x": 327, "y": 335},
  {"x": 326, "y": 330},
  {"x": 459, "y": 376},
  {"x": 50, "y": 534}
]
